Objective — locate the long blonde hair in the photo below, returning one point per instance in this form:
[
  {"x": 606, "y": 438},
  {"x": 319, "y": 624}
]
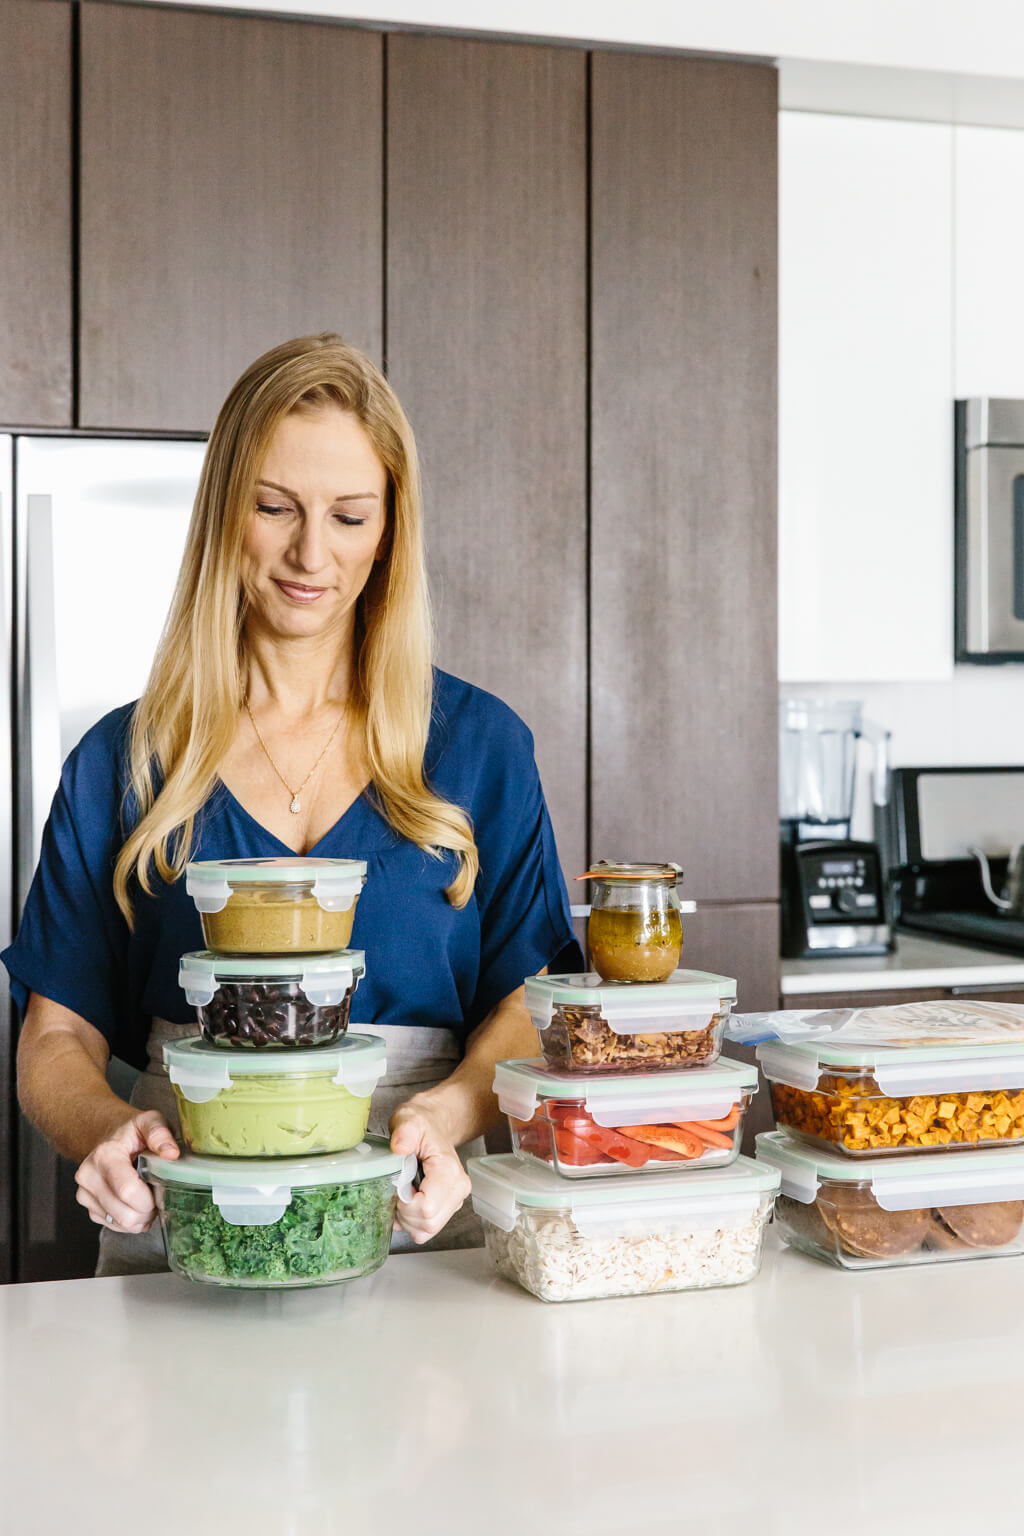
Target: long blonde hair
[{"x": 186, "y": 719}]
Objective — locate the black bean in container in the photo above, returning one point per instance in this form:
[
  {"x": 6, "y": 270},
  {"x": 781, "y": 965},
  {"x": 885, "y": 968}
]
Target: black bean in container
[{"x": 272, "y": 1013}]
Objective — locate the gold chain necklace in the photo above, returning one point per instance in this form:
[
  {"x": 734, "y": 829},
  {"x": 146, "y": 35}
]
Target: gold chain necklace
[{"x": 296, "y": 805}]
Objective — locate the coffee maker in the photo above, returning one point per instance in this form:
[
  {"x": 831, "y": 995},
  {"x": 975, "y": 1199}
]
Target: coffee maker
[{"x": 833, "y": 890}]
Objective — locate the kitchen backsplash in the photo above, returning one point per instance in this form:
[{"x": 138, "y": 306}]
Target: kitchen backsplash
[{"x": 976, "y": 717}]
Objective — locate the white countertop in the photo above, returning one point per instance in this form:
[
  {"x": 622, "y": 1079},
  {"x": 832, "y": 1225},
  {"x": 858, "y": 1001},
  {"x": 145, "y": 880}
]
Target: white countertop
[
  {"x": 917, "y": 962},
  {"x": 436, "y": 1400}
]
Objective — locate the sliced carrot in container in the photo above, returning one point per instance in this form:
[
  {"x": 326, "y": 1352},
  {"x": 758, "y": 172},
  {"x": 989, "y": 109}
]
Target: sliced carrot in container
[{"x": 673, "y": 1137}]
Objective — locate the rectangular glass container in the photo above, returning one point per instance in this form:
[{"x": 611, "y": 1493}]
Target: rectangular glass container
[
  {"x": 589, "y": 1025},
  {"x": 865, "y": 1101},
  {"x": 884, "y": 1212},
  {"x": 616, "y": 1124},
  {"x": 623, "y": 1237}
]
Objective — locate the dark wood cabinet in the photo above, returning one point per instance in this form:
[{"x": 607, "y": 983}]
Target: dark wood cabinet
[
  {"x": 487, "y": 347},
  {"x": 36, "y": 199},
  {"x": 683, "y": 470},
  {"x": 231, "y": 197}
]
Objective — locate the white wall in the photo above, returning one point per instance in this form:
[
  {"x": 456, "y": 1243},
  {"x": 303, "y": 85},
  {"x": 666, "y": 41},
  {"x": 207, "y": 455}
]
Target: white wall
[
  {"x": 963, "y": 36},
  {"x": 976, "y": 713}
]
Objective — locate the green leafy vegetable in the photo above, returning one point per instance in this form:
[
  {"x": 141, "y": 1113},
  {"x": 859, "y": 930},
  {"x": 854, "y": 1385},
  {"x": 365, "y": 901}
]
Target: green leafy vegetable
[{"x": 324, "y": 1232}]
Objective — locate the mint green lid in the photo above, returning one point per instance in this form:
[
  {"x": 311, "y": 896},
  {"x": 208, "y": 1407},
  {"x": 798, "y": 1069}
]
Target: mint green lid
[
  {"x": 201, "y": 1070},
  {"x": 976, "y": 1177},
  {"x": 626, "y": 1098}
]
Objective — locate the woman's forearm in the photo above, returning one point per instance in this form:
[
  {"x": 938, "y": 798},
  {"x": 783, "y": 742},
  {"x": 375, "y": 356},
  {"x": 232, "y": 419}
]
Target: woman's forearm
[
  {"x": 62, "y": 1085},
  {"x": 466, "y": 1100}
]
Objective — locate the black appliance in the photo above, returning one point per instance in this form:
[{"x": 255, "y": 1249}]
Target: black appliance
[{"x": 938, "y": 823}]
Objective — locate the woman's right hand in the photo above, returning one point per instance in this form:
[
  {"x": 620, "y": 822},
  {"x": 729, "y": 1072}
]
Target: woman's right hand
[{"x": 108, "y": 1185}]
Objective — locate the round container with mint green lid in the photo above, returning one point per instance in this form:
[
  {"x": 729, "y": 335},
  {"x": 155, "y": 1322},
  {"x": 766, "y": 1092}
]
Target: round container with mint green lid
[
  {"x": 276, "y": 906},
  {"x": 266, "y": 1001},
  {"x": 629, "y": 1236},
  {"x": 881, "y": 1211},
  {"x": 611, "y": 1125},
  {"x": 279, "y": 1224},
  {"x": 590, "y": 1025},
  {"x": 250, "y": 1104},
  {"x": 868, "y": 1100}
]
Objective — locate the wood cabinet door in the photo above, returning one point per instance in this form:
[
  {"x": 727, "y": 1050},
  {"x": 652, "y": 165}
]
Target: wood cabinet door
[
  {"x": 35, "y": 230},
  {"x": 683, "y": 470},
  {"x": 231, "y": 197},
  {"x": 486, "y": 348}
]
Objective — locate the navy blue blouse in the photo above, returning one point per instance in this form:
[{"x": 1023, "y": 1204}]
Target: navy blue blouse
[{"x": 426, "y": 963}]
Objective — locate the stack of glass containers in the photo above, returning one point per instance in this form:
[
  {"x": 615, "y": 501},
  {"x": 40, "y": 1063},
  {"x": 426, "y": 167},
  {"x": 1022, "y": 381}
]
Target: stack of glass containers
[
  {"x": 629, "y": 1085},
  {"x": 900, "y": 1135},
  {"x": 277, "y": 1186}
]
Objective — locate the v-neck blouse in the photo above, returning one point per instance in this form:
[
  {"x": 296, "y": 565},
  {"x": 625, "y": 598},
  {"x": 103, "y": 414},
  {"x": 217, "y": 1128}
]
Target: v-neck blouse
[{"x": 427, "y": 964}]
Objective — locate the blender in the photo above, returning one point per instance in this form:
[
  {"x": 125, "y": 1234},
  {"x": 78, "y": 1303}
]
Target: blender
[{"x": 833, "y": 892}]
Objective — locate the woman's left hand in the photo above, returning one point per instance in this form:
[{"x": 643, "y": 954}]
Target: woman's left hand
[{"x": 418, "y": 1126}]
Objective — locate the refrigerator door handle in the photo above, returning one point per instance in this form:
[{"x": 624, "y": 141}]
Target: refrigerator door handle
[{"x": 39, "y": 723}]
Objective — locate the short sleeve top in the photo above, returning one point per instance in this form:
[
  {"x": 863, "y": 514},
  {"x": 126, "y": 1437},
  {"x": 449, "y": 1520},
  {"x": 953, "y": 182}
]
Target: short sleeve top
[{"x": 427, "y": 963}]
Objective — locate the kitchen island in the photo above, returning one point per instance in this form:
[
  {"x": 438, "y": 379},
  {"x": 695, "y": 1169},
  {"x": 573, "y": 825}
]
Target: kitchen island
[{"x": 435, "y": 1399}]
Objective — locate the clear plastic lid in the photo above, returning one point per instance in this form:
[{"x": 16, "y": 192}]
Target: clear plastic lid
[
  {"x": 620, "y": 1098},
  {"x": 355, "y": 1062},
  {"x": 898, "y": 1184},
  {"x": 257, "y": 1191},
  {"x": 335, "y": 883},
  {"x": 687, "y": 1000},
  {"x": 946, "y": 1023},
  {"x": 899, "y": 1071},
  {"x": 324, "y": 978},
  {"x": 630, "y": 1204}
]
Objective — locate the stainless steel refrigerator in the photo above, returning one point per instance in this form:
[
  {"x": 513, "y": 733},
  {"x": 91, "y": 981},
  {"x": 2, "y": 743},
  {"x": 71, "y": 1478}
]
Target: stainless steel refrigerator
[{"x": 91, "y": 534}]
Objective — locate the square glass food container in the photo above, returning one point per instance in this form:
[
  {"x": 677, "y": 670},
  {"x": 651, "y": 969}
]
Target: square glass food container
[
  {"x": 619, "y": 1123},
  {"x": 271, "y": 1001},
  {"x": 622, "y": 1237},
  {"x": 589, "y": 1025},
  {"x": 277, "y": 1225},
  {"x": 276, "y": 906},
  {"x": 871, "y": 1101},
  {"x": 267, "y": 1104},
  {"x": 880, "y": 1212}
]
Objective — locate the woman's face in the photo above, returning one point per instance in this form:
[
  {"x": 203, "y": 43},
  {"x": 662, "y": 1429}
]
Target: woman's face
[{"x": 316, "y": 526}]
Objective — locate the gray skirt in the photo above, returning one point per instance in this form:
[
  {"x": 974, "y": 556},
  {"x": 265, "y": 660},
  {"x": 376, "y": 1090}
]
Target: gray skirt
[{"x": 417, "y": 1059}]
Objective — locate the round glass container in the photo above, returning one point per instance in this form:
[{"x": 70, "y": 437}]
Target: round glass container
[
  {"x": 276, "y": 906},
  {"x": 300, "y": 1221},
  {"x": 634, "y": 932},
  {"x": 272, "y": 1001},
  {"x": 271, "y": 1103}
]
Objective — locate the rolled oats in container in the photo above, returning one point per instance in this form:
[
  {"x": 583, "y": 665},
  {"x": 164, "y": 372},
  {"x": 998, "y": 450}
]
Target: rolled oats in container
[
  {"x": 570, "y": 1241},
  {"x": 259, "y": 1002},
  {"x": 590, "y": 1025},
  {"x": 880, "y": 1212}
]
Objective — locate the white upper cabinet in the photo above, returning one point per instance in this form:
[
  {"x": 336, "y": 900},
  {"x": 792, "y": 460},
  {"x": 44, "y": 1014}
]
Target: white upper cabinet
[
  {"x": 989, "y": 332},
  {"x": 866, "y": 399}
]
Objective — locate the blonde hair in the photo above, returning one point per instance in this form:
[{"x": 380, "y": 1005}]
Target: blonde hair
[{"x": 186, "y": 719}]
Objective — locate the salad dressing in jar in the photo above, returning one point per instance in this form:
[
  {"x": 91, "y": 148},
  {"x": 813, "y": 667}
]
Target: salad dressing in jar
[{"x": 634, "y": 932}]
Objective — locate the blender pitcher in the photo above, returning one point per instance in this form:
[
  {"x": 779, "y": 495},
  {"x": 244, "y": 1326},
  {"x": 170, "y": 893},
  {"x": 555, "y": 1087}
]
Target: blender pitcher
[{"x": 818, "y": 764}]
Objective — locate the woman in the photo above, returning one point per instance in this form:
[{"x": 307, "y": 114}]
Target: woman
[{"x": 292, "y": 707}]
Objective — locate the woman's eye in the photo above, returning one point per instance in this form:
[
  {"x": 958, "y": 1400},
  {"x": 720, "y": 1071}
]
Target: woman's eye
[
  {"x": 348, "y": 520},
  {"x": 272, "y": 508}
]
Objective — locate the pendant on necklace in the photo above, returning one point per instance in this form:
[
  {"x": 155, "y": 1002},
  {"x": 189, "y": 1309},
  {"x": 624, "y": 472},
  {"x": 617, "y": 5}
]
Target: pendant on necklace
[{"x": 295, "y": 807}]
